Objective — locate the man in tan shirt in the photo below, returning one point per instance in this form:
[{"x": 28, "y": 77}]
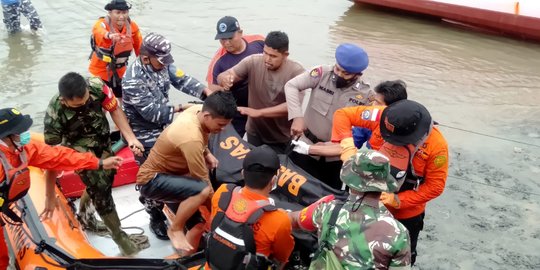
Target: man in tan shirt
[
  {"x": 267, "y": 74},
  {"x": 176, "y": 171}
]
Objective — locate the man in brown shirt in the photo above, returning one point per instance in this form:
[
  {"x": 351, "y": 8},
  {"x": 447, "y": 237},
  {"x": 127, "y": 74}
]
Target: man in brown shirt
[
  {"x": 267, "y": 74},
  {"x": 176, "y": 171}
]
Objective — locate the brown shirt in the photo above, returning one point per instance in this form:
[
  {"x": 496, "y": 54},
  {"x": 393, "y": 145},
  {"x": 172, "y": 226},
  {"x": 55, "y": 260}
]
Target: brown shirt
[
  {"x": 266, "y": 90},
  {"x": 179, "y": 150}
]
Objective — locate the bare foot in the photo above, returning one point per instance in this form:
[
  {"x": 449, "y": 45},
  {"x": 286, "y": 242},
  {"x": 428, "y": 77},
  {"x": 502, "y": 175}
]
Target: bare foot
[{"x": 179, "y": 241}]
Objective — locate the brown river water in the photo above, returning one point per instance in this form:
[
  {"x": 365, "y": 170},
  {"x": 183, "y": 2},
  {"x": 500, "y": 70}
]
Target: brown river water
[{"x": 483, "y": 89}]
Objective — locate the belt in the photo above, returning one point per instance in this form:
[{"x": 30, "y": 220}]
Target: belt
[{"x": 311, "y": 136}]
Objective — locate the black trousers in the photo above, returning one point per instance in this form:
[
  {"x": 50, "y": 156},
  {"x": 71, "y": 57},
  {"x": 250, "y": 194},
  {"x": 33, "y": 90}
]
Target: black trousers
[
  {"x": 327, "y": 172},
  {"x": 414, "y": 225},
  {"x": 257, "y": 141}
]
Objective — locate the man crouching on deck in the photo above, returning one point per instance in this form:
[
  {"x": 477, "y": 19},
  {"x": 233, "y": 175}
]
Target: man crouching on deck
[{"x": 176, "y": 171}]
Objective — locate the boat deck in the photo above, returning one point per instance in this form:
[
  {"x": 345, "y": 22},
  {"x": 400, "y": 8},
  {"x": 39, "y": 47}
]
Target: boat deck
[{"x": 127, "y": 202}]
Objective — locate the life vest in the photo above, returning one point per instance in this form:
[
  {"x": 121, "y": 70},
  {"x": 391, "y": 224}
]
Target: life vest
[
  {"x": 118, "y": 53},
  {"x": 231, "y": 244},
  {"x": 402, "y": 168},
  {"x": 15, "y": 184}
]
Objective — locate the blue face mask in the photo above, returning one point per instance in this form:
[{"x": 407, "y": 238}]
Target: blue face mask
[{"x": 24, "y": 138}]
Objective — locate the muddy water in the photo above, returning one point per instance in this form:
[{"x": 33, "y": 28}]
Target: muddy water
[{"x": 487, "y": 217}]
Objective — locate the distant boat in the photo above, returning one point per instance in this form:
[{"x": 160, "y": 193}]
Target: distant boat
[{"x": 520, "y": 19}]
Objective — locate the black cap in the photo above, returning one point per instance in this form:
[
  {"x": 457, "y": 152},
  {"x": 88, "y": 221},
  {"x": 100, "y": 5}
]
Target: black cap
[
  {"x": 118, "y": 5},
  {"x": 405, "y": 122},
  {"x": 13, "y": 122},
  {"x": 226, "y": 27},
  {"x": 261, "y": 159},
  {"x": 158, "y": 46}
]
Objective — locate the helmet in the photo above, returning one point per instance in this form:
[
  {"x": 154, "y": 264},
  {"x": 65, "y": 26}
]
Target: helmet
[
  {"x": 368, "y": 171},
  {"x": 13, "y": 122},
  {"x": 118, "y": 5},
  {"x": 405, "y": 122},
  {"x": 351, "y": 58}
]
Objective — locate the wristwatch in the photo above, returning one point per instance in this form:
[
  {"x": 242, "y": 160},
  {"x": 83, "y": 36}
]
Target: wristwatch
[{"x": 100, "y": 164}]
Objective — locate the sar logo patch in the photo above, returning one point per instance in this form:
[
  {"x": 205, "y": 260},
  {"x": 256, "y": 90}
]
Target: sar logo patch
[
  {"x": 439, "y": 161},
  {"x": 240, "y": 206},
  {"x": 366, "y": 114}
]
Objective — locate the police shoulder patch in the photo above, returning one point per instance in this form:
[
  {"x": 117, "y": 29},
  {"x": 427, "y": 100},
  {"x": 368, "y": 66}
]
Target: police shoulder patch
[
  {"x": 366, "y": 114},
  {"x": 316, "y": 72}
]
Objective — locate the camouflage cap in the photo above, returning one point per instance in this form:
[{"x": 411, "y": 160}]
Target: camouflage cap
[
  {"x": 368, "y": 171},
  {"x": 160, "y": 47}
]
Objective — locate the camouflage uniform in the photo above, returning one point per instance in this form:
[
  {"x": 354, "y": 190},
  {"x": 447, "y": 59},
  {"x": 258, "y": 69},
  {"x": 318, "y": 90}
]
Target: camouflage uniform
[
  {"x": 146, "y": 96},
  {"x": 365, "y": 236},
  {"x": 12, "y": 15},
  {"x": 85, "y": 132}
]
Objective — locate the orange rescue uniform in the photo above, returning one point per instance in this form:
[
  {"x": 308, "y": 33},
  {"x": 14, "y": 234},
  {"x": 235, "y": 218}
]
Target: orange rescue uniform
[
  {"x": 272, "y": 232},
  {"x": 97, "y": 66},
  {"x": 430, "y": 161},
  {"x": 48, "y": 157}
]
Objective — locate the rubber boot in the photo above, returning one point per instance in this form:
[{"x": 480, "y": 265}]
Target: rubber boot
[
  {"x": 126, "y": 246},
  {"x": 157, "y": 223},
  {"x": 87, "y": 218}
]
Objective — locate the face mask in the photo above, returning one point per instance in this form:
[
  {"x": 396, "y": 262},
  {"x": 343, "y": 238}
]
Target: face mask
[
  {"x": 81, "y": 108},
  {"x": 342, "y": 82},
  {"x": 24, "y": 138}
]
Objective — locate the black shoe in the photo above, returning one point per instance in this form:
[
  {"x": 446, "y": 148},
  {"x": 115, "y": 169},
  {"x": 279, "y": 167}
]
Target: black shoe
[{"x": 159, "y": 228}]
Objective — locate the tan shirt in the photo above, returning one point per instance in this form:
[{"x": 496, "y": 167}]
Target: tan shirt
[
  {"x": 266, "y": 90},
  {"x": 325, "y": 99},
  {"x": 179, "y": 150}
]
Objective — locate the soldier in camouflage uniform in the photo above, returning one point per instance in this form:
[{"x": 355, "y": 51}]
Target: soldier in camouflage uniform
[
  {"x": 12, "y": 15},
  {"x": 365, "y": 235},
  {"x": 145, "y": 99},
  {"x": 75, "y": 118}
]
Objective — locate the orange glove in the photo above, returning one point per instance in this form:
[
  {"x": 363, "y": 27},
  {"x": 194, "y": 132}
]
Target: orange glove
[
  {"x": 347, "y": 148},
  {"x": 390, "y": 199}
]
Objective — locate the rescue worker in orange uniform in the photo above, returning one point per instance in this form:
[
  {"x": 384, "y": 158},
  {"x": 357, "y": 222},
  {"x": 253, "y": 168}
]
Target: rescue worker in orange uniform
[
  {"x": 404, "y": 132},
  {"x": 248, "y": 231},
  {"x": 113, "y": 38},
  {"x": 18, "y": 151}
]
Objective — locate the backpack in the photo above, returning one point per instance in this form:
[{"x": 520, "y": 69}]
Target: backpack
[
  {"x": 324, "y": 257},
  {"x": 230, "y": 245}
]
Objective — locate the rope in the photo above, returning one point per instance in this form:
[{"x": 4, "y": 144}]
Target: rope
[
  {"x": 492, "y": 185},
  {"x": 490, "y": 136},
  {"x": 442, "y": 125}
]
